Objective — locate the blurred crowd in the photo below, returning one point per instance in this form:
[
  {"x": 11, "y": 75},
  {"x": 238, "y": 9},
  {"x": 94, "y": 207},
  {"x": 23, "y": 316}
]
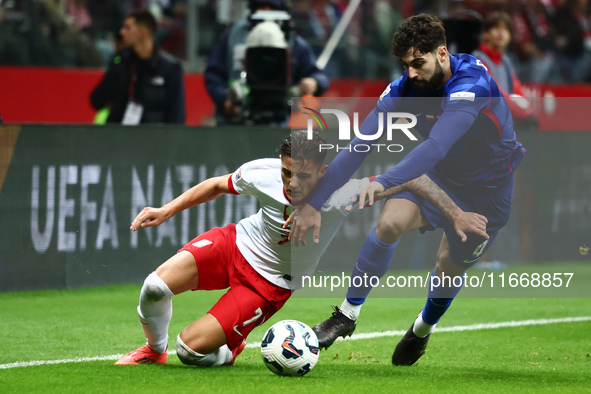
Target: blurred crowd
[{"x": 550, "y": 39}]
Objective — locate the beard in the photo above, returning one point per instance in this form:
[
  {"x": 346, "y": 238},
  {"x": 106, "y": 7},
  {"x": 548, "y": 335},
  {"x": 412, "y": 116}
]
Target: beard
[{"x": 432, "y": 84}]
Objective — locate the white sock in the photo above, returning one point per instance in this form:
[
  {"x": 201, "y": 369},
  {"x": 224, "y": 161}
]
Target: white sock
[
  {"x": 420, "y": 328},
  {"x": 155, "y": 311},
  {"x": 350, "y": 310},
  {"x": 221, "y": 356}
]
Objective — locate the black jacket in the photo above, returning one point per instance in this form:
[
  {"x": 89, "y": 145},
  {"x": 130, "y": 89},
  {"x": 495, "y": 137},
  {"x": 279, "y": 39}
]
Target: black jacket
[{"x": 159, "y": 87}]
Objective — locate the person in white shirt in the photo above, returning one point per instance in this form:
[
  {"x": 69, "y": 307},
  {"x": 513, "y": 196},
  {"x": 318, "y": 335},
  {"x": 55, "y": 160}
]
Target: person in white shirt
[{"x": 252, "y": 258}]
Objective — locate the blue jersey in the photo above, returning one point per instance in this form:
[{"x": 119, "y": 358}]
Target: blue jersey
[
  {"x": 466, "y": 126},
  {"x": 487, "y": 153}
]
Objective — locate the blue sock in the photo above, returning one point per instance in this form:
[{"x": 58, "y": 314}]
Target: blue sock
[
  {"x": 374, "y": 259},
  {"x": 439, "y": 299}
]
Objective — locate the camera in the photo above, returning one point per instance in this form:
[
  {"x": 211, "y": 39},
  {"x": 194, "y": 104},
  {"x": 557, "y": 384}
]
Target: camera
[{"x": 262, "y": 92}]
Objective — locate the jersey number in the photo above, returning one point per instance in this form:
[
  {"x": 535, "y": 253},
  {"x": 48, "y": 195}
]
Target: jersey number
[
  {"x": 477, "y": 253},
  {"x": 478, "y": 62},
  {"x": 257, "y": 314}
]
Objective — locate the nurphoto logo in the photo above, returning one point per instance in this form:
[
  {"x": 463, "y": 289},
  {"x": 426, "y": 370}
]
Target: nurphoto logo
[{"x": 388, "y": 121}]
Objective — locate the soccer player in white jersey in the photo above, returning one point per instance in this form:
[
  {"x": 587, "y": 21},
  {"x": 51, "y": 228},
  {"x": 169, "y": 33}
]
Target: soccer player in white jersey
[{"x": 253, "y": 258}]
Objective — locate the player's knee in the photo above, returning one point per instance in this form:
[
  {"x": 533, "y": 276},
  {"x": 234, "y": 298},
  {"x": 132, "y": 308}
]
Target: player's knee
[
  {"x": 389, "y": 230},
  {"x": 154, "y": 289},
  {"x": 189, "y": 356}
]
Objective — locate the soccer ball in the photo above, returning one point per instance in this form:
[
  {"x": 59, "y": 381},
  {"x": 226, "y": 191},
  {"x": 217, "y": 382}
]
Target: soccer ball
[{"x": 290, "y": 348}]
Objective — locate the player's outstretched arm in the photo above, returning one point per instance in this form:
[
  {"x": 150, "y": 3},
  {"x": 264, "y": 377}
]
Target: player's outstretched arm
[
  {"x": 424, "y": 187},
  {"x": 207, "y": 190},
  {"x": 376, "y": 196},
  {"x": 464, "y": 222}
]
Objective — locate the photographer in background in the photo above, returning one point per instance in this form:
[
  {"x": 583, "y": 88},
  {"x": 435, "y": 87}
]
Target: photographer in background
[
  {"x": 143, "y": 84},
  {"x": 227, "y": 63}
]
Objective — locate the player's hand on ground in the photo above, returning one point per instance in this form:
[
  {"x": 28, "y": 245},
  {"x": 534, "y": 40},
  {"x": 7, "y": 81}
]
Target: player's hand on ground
[
  {"x": 149, "y": 217},
  {"x": 368, "y": 193},
  {"x": 302, "y": 220},
  {"x": 469, "y": 222}
]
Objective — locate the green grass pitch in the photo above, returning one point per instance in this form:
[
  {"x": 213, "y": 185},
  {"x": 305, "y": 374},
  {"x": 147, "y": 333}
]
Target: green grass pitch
[{"x": 61, "y": 325}]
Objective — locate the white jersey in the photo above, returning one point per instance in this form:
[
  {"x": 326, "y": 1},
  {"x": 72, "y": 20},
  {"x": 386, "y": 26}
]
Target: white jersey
[{"x": 261, "y": 238}]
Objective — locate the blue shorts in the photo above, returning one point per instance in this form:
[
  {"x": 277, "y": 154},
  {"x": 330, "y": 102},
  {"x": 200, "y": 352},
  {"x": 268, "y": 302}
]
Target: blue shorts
[{"x": 494, "y": 204}]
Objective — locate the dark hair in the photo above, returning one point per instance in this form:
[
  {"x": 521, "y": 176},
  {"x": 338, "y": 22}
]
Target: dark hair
[
  {"x": 496, "y": 18},
  {"x": 145, "y": 18},
  {"x": 422, "y": 32},
  {"x": 299, "y": 147}
]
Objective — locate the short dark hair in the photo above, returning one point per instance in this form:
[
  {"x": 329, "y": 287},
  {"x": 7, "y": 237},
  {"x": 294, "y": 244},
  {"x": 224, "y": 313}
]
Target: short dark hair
[
  {"x": 299, "y": 147},
  {"x": 422, "y": 32},
  {"x": 496, "y": 18},
  {"x": 145, "y": 18}
]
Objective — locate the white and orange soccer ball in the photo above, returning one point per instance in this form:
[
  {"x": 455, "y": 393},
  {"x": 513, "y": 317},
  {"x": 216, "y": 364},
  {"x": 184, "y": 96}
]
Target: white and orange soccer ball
[{"x": 290, "y": 348}]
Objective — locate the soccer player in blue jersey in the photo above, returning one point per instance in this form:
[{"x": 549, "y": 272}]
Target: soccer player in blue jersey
[{"x": 469, "y": 151}]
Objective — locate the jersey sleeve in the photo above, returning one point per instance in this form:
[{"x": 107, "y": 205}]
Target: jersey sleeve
[
  {"x": 256, "y": 178},
  {"x": 344, "y": 165},
  {"x": 246, "y": 178},
  {"x": 471, "y": 91},
  {"x": 238, "y": 183},
  {"x": 450, "y": 127}
]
